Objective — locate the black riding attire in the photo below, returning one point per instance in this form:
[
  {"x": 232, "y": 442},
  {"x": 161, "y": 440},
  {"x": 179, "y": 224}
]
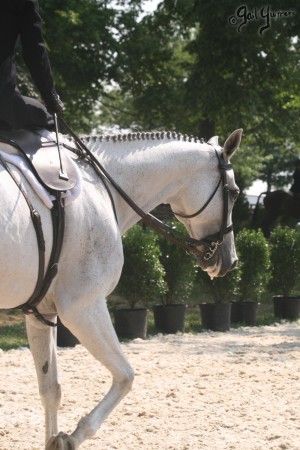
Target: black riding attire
[{"x": 21, "y": 20}]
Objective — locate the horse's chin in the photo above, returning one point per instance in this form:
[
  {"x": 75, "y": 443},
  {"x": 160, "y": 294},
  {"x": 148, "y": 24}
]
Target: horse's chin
[
  {"x": 214, "y": 271},
  {"x": 219, "y": 269}
]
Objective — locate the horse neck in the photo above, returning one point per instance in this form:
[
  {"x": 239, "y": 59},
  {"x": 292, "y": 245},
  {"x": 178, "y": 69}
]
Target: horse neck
[{"x": 150, "y": 172}]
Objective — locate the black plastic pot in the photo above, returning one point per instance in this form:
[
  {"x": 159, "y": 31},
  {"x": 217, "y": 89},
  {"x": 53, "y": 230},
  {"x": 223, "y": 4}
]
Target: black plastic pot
[
  {"x": 169, "y": 319},
  {"x": 235, "y": 315},
  {"x": 215, "y": 316},
  {"x": 131, "y": 323},
  {"x": 64, "y": 336},
  {"x": 244, "y": 312},
  {"x": 286, "y": 307}
]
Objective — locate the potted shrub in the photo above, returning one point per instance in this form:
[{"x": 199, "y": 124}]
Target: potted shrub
[
  {"x": 285, "y": 263},
  {"x": 253, "y": 273},
  {"x": 142, "y": 281},
  {"x": 180, "y": 271},
  {"x": 219, "y": 292}
]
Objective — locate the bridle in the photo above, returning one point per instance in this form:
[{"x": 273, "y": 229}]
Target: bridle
[
  {"x": 213, "y": 241},
  {"x": 203, "y": 249}
]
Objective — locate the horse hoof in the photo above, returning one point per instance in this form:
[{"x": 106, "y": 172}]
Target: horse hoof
[{"x": 61, "y": 442}]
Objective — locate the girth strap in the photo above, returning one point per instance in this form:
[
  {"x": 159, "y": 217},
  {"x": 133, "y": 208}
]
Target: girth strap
[
  {"x": 43, "y": 282},
  {"x": 58, "y": 224}
]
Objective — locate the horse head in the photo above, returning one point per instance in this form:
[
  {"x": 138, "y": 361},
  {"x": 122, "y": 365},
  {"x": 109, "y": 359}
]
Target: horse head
[{"x": 215, "y": 191}]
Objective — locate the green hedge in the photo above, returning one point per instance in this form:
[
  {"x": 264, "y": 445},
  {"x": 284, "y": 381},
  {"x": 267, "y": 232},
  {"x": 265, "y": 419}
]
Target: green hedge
[
  {"x": 285, "y": 260},
  {"x": 254, "y": 263},
  {"x": 156, "y": 270},
  {"x": 142, "y": 278}
]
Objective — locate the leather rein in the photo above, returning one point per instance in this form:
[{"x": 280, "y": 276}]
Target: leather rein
[{"x": 203, "y": 249}]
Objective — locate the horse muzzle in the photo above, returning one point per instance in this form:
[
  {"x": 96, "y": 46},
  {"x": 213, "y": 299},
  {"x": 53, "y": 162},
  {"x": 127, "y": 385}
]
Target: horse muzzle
[
  {"x": 218, "y": 264},
  {"x": 210, "y": 261}
]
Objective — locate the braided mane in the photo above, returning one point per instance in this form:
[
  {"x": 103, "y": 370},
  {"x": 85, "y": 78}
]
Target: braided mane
[{"x": 142, "y": 136}]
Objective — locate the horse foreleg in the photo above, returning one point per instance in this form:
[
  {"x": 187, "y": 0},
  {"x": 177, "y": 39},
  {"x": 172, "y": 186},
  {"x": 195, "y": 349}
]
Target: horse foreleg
[
  {"x": 95, "y": 331},
  {"x": 42, "y": 341}
]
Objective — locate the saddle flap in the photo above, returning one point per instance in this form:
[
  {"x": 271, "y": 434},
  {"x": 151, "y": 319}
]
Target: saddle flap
[
  {"x": 47, "y": 165},
  {"x": 43, "y": 158}
]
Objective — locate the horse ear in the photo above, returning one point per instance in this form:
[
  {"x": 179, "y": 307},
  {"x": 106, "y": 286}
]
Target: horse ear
[
  {"x": 214, "y": 140},
  {"x": 232, "y": 142}
]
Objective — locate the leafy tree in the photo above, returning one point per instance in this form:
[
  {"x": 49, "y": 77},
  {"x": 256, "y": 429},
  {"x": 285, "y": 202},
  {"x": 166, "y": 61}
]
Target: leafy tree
[
  {"x": 188, "y": 68},
  {"x": 84, "y": 39}
]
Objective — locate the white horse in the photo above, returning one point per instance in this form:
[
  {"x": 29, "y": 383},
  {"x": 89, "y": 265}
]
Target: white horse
[{"x": 152, "y": 170}]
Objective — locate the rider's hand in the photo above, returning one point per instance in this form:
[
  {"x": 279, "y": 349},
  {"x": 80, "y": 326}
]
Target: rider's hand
[{"x": 54, "y": 103}]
